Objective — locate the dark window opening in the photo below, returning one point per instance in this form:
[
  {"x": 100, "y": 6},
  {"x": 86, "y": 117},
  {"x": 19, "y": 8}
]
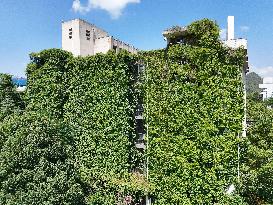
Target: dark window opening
[
  {"x": 87, "y": 35},
  {"x": 115, "y": 48},
  {"x": 70, "y": 33}
]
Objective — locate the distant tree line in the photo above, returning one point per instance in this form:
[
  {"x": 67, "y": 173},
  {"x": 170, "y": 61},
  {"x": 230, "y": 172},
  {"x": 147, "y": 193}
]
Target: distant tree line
[{"x": 252, "y": 83}]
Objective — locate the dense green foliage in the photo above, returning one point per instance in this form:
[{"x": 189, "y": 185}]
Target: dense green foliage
[
  {"x": 101, "y": 107},
  {"x": 37, "y": 163},
  {"x": 252, "y": 83},
  {"x": 194, "y": 111},
  {"x": 257, "y": 170},
  {"x": 94, "y": 96},
  {"x": 269, "y": 102},
  {"x": 46, "y": 88},
  {"x": 10, "y": 100},
  {"x": 75, "y": 142}
]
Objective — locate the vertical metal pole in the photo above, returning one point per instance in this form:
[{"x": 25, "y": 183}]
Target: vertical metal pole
[
  {"x": 147, "y": 135},
  {"x": 244, "y": 123},
  {"x": 238, "y": 174},
  {"x": 244, "y": 87}
]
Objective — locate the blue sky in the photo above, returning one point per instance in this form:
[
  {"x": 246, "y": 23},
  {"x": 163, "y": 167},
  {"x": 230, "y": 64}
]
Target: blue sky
[{"x": 33, "y": 25}]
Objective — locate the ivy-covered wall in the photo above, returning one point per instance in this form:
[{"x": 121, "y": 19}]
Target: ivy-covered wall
[
  {"x": 101, "y": 108},
  {"x": 96, "y": 97},
  {"x": 194, "y": 111},
  {"x": 46, "y": 75}
]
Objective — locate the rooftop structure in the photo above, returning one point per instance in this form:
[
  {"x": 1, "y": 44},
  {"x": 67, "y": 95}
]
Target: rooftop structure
[
  {"x": 82, "y": 39},
  {"x": 175, "y": 34},
  {"x": 235, "y": 43},
  {"x": 231, "y": 41}
]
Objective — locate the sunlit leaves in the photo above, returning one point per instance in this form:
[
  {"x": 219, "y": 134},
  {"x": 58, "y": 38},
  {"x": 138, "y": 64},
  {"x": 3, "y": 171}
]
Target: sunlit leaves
[
  {"x": 194, "y": 109},
  {"x": 37, "y": 164}
]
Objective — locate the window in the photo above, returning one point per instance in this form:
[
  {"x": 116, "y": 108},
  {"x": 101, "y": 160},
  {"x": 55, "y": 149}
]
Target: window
[
  {"x": 70, "y": 33},
  {"x": 87, "y": 35},
  {"x": 115, "y": 48}
]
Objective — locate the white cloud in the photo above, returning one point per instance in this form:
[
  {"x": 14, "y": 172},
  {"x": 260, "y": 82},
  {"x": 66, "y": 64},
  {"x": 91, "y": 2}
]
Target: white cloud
[
  {"x": 265, "y": 72},
  {"x": 77, "y": 7},
  {"x": 113, "y": 7},
  {"x": 223, "y": 33},
  {"x": 244, "y": 28}
]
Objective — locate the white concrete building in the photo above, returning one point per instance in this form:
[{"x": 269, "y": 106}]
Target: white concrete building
[
  {"x": 82, "y": 39},
  {"x": 267, "y": 88},
  {"x": 231, "y": 41},
  {"x": 21, "y": 88}
]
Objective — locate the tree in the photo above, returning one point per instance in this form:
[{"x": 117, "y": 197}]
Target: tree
[
  {"x": 10, "y": 100},
  {"x": 252, "y": 83},
  {"x": 37, "y": 164},
  {"x": 269, "y": 102},
  {"x": 257, "y": 152}
]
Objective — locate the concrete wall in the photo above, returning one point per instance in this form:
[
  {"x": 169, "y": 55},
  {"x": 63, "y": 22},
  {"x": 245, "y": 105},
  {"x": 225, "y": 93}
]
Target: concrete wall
[
  {"x": 86, "y": 43},
  {"x": 267, "y": 87},
  {"x": 72, "y": 45},
  {"x": 103, "y": 45},
  {"x": 79, "y": 44},
  {"x": 97, "y": 40},
  {"x": 236, "y": 43},
  {"x": 87, "y": 46},
  {"x": 121, "y": 45},
  {"x": 99, "y": 33}
]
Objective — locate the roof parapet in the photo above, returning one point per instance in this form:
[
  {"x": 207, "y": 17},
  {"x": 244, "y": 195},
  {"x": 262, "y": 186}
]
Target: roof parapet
[{"x": 175, "y": 32}]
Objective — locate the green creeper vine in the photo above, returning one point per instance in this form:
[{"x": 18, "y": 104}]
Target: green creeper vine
[
  {"x": 195, "y": 112},
  {"x": 79, "y": 126},
  {"x": 101, "y": 107}
]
